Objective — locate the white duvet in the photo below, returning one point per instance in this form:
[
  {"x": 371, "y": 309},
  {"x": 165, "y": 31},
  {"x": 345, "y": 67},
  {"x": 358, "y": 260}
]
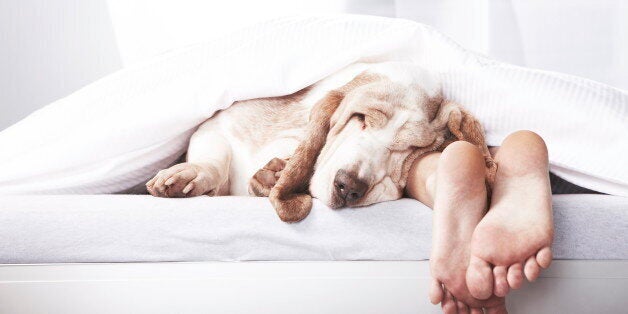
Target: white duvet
[{"x": 117, "y": 132}]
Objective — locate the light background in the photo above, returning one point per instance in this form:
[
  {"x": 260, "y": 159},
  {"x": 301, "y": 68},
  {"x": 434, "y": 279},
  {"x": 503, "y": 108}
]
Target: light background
[{"x": 49, "y": 49}]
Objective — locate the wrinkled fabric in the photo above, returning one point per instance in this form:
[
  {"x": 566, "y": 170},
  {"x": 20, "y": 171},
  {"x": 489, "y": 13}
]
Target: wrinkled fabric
[{"x": 119, "y": 131}]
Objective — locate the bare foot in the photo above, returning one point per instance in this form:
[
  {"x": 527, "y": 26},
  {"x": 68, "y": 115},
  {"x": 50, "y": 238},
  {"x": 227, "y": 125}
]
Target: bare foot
[
  {"x": 185, "y": 180},
  {"x": 515, "y": 236},
  {"x": 459, "y": 204}
]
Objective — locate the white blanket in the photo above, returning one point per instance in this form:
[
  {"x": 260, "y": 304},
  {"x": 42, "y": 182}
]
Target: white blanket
[{"x": 118, "y": 131}]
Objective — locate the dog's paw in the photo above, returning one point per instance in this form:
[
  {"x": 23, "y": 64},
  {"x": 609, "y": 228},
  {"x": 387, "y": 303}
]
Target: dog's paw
[
  {"x": 184, "y": 180},
  {"x": 264, "y": 179},
  {"x": 293, "y": 207}
]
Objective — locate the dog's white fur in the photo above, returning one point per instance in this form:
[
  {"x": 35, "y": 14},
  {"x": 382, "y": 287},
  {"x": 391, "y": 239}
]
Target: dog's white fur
[{"x": 228, "y": 149}]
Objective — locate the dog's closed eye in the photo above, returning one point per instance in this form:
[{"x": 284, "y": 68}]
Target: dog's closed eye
[
  {"x": 361, "y": 118},
  {"x": 371, "y": 118}
]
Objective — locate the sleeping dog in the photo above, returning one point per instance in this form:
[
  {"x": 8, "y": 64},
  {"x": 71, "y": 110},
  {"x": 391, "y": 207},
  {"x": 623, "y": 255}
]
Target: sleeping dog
[{"x": 348, "y": 140}]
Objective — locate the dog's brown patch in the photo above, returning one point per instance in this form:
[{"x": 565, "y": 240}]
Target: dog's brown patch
[{"x": 463, "y": 126}]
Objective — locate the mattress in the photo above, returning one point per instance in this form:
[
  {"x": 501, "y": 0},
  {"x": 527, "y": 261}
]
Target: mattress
[{"x": 141, "y": 228}]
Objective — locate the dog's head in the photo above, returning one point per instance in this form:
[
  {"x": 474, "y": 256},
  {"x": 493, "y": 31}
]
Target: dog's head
[{"x": 363, "y": 137}]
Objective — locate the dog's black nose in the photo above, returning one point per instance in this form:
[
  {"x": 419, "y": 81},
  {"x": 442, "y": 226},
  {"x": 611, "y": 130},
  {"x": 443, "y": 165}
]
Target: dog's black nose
[{"x": 349, "y": 187}]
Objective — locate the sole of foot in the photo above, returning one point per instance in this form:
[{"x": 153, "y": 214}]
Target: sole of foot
[
  {"x": 513, "y": 239},
  {"x": 459, "y": 204}
]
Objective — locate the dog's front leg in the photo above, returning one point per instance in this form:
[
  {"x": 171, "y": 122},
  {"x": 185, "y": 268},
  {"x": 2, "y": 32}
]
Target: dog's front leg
[
  {"x": 206, "y": 171},
  {"x": 264, "y": 179}
]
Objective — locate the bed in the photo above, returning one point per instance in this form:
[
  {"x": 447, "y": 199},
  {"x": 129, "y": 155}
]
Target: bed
[
  {"x": 80, "y": 253},
  {"x": 139, "y": 254}
]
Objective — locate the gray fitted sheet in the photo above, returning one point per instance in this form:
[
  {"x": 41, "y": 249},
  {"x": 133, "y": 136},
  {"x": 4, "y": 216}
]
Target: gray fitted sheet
[{"x": 125, "y": 228}]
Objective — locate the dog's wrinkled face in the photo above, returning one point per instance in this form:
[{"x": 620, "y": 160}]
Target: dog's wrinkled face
[
  {"x": 372, "y": 134},
  {"x": 362, "y": 138}
]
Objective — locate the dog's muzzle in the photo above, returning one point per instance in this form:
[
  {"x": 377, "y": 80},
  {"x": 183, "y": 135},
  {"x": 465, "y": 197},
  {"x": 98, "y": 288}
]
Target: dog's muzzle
[{"x": 348, "y": 188}]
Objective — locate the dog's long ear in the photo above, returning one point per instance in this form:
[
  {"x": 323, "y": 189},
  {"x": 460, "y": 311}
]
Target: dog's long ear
[
  {"x": 461, "y": 125},
  {"x": 289, "y": 195}
]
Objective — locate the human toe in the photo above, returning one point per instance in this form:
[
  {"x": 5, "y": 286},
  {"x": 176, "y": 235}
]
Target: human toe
[
  {"x": 462, "y": 308},
  {"x": 436, "y": 292},
  {"x": 501, "y": 283},
  {"x": 500, "y": 309},
  {"x": 476, "y": 310},
  {"x": 531, "y": 269},
  {"x": 479, "y": 278},
  {"x": 515, "y": 276},
  {"x": 544, "y": 257},
  {"x": 449, "y": 304}
]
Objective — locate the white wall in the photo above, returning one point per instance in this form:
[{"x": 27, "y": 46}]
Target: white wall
[
  {"x": 580, "y": 37},
  {"x": 145, "y": 28},
  {"x": 48, "y": 49}
]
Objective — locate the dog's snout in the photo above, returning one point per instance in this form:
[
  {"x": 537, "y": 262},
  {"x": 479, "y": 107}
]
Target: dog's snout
[{"x": 349, "y": 187}]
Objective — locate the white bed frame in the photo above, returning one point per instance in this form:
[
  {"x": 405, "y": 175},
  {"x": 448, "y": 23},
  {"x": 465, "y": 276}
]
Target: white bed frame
[{"x": 286, "y": 287}]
